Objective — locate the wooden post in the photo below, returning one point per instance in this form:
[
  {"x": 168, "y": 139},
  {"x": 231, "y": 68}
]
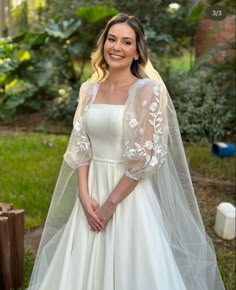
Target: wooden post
[
  {"x": 5, "y": 267},
  {"x": 11, "y": 247}
]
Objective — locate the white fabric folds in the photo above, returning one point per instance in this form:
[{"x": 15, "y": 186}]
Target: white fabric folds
[{"x": 151, "y": 152}]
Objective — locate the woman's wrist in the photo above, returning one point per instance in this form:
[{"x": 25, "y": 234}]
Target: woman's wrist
[
  {"x": 112, "y": 202},
  {"x": 120, "y": 192},
  {"x": 83, "y": 195}
]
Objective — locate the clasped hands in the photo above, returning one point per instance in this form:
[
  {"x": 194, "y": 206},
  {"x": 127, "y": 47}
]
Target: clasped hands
[{"x": 97, "y": 216}]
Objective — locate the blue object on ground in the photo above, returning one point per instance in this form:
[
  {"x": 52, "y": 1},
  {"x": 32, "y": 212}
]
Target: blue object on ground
[{"x": 222, "y": 149}]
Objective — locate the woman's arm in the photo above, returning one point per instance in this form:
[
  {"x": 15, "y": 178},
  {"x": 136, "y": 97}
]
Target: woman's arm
[
  {"x": 120, "y": 192},
  {"x": 89, "y": 204},
  {"x": 82, "y": 173}
]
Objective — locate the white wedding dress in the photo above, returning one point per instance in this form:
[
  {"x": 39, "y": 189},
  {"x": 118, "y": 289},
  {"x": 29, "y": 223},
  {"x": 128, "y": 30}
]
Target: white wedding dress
[{"x": 133, "y": 253}]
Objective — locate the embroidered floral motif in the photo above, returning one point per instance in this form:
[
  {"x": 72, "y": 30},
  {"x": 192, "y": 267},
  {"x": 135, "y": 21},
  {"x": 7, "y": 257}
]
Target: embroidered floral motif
[
  {"x": 82, "y": 141},
  {"x": 141, "y": 131},
  {"x": 148, "y": 144},
  {"x": 133, "y": 123},
  {"x": 156, "y": 91},
  {"x": 153, "y": 161},
  {"x": 153, "y": 107},
  {"x": 141, "y": 151},
  {"x": 77, "y": 126},
  {"x": 144, "y": 103},
  {"x": 129, "y": 116}
]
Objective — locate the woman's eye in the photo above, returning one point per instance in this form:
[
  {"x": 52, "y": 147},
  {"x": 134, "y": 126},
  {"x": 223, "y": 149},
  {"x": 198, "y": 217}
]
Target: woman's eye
[
  {"x": 111, "y": 39},
  {"x": 128, "y": 43}
]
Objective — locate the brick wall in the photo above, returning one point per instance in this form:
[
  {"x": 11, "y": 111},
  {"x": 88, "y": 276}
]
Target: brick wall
[{"x": 210, "y": 33}]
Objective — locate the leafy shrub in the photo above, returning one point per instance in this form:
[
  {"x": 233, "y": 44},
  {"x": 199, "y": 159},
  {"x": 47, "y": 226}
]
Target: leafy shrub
[
  {"x": 34, "y": 66},
  {"x": 64, "y": 105},
  {"x": 202, "y": 105}
]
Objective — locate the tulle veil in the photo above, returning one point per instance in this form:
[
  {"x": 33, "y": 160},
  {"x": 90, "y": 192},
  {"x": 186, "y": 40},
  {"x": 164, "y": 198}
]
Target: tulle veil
[{"x": 192, "y": 248}]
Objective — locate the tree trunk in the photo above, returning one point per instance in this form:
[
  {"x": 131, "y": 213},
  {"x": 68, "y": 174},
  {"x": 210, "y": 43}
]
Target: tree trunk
[
  {"x": 10, "y": 20},
  {"x": 33, "y": 15},
  {"x": 2, "y": 16}
]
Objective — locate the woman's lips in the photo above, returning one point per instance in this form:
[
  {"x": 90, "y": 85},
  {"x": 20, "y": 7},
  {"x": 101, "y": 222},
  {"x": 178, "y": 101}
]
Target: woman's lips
[{"x": 115, "y": 56}]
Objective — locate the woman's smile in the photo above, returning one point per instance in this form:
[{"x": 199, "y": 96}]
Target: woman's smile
[{"x": 114, "y": 56}]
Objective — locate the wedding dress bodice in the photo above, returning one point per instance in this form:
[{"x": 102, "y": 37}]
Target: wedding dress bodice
[{"x": 103, "y": 125}]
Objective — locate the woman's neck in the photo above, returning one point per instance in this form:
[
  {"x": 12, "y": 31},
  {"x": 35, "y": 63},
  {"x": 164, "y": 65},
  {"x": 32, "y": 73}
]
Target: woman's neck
[{"x": 120, "y": 79}]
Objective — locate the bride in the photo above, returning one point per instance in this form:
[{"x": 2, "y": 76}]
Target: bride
[{"x": 124, "y": 215}]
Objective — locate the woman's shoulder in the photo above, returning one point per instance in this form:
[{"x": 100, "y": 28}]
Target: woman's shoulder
[
  {"x": 147, "y": 85},
  {"x": 147, "y": 91},
  {"x": 87, "y": 85}
]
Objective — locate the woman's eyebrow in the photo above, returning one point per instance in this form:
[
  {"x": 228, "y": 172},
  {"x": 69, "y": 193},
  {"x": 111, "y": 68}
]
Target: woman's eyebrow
[{"x": 125, "y": 37}]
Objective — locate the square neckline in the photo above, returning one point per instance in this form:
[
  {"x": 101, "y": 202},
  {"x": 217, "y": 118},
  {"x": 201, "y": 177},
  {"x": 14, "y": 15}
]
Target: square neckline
[{"x": 97, "y": 85}]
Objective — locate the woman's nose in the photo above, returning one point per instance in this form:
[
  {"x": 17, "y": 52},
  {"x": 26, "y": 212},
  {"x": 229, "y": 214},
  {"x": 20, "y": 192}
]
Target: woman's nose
[{"x": 117, "y": 45}]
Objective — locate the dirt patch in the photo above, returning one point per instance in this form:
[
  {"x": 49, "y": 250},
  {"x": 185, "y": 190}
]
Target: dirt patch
[
  {"x": 36, "y": 122},
  {"x": 32, "y": 239}
]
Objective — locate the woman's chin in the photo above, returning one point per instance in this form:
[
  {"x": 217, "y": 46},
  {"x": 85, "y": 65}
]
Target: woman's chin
[{"x": 117, "y": 65}]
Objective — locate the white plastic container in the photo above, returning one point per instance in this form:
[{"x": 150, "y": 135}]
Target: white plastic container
[{"x": 225, "y": 221}]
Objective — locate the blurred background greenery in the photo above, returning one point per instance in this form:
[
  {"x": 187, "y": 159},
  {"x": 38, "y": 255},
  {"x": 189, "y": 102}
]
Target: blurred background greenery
[{"x": 45, "y": 49}]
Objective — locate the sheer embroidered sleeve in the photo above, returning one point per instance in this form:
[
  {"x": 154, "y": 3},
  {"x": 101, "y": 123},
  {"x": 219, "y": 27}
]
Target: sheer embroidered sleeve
[
  {"x": 145, "y": 130},
  {"x": 78, "y": 151}
]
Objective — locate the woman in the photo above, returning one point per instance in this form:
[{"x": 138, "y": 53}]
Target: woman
[{"x": 124, "y": 215}]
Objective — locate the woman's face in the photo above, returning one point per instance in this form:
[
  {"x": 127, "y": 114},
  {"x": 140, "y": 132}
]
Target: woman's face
[{"x": 120, "y": 46}]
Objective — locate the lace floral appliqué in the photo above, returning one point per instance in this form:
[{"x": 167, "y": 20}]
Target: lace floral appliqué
[
  {"x": 133, "y": 123},
  {"x": 152, "y": 151},
  {"x": 82, "y": 141}
]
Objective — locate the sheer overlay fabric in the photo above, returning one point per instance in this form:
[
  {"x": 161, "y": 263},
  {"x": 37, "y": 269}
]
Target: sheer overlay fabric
[{"x": 152, "y": 150}]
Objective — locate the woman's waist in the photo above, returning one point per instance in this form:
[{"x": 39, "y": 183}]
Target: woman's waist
[
  {"x": 107, "y": 159},
  {"x": 107, "y": 151}
]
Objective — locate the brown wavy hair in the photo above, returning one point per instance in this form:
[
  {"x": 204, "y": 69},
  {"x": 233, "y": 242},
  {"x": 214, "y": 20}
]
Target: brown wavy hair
[{"x": 98, "y": 61}]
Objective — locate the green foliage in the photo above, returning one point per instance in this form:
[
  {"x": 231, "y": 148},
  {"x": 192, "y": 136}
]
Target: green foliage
[
  {"x": 95, "y": 13},
  {"x": 34, "y": 66},
  {"x": 196, "y": 12},
  {"x": 166, "y": 29},
  {"x": 63, "y": 106},
  {"x": 201, "y": 106},
  {"x": 205, "y": 97},
  {"x": 183, "y": 63},
  {"x": 63, "y": 28},
  {"x": 22, "y": 76}
]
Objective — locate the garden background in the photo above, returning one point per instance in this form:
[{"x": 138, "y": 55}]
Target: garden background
[{"x": 45, "y": 48}]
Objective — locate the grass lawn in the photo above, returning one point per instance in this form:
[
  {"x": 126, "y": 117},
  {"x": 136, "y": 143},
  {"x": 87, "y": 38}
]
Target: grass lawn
[
  {"x": 30, "y": 164},
  {"x": 202, "y": 162},
  {"x": 29, "y": 167}
]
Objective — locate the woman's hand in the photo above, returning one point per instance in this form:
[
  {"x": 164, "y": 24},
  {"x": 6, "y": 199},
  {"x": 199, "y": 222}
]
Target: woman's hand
[
  {"x": 90, "y": 207},
  {"x": 105, "y": 212}
]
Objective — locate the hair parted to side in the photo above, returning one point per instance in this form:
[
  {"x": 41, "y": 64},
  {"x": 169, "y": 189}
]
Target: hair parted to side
[{"x": 137, "y": 67}]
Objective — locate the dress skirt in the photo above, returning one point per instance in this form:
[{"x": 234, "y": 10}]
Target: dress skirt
[{"x": 132, "y": 253}]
